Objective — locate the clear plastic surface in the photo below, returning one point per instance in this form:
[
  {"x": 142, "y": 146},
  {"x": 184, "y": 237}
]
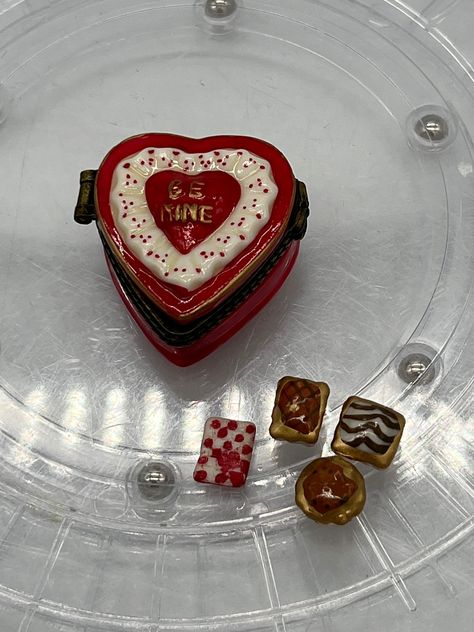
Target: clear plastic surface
[{"x": 386, "y": 269}]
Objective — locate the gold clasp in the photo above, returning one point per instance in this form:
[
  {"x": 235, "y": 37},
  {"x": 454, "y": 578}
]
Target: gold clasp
[{"x": 85, "y": 211}]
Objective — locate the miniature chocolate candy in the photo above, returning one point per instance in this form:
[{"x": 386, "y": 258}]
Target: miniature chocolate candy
[
  {"x": 199, "y": 233},
  {"x": 299, "y": 409},
  {"x": 226, "y": 452},
  {"x": 368, "y": 432},
  {"x": 330, "y": 489}
]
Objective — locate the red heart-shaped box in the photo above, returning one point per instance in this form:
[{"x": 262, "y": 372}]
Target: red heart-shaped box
[{"x": 193, "y": 231}]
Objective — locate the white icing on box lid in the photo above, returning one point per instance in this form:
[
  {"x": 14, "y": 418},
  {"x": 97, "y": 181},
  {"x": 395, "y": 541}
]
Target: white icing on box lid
[{"x": 139, "y": 231}]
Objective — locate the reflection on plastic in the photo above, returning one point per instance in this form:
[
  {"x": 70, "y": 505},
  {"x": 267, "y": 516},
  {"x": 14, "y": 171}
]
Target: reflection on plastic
[{"x": 115, "y": 417}]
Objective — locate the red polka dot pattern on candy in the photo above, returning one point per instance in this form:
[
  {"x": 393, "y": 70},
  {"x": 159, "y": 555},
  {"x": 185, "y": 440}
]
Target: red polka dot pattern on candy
[
  {"x": 226, "y": 452},
  {"x": 237, "y": 479},
  {"x": 244, "y": 466}
]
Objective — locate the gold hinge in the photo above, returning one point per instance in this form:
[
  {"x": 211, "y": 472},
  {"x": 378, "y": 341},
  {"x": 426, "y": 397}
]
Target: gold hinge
[
  {"x": 85, "y": 212},
  {"x": 302, "y": 204}
]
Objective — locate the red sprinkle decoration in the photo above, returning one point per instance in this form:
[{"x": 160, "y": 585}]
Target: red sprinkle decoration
[
  {"x": 237, "y": 479},
  {"x": 225, "y": 460}
]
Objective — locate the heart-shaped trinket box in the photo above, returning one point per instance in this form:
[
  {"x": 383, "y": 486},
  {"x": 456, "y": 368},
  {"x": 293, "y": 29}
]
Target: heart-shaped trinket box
[{"x": 198, "y": 233}]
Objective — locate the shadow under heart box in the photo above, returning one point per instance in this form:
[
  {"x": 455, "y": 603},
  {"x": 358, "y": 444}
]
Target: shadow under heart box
[{"x": 199, "y": 234}]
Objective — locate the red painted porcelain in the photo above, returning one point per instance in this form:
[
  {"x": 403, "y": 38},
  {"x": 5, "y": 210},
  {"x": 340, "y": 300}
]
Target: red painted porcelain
[
  {"x": 190, "y": 220},
  {"x": 189, "y": 354},
  {"x": 168, "y": 195}
]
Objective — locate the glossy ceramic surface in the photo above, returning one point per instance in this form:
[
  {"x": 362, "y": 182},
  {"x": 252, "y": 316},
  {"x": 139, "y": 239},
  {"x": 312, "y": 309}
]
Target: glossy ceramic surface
[
  {"x": 385, "y": 274},
  {"x": 182, "y": 278}
]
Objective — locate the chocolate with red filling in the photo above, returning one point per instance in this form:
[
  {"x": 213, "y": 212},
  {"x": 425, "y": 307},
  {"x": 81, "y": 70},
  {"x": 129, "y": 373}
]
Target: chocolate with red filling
[{"x": 328, "y": 488}]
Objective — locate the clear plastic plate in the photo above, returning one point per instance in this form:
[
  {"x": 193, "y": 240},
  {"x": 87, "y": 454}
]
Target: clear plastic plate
[{"x": 383, "y": 284}]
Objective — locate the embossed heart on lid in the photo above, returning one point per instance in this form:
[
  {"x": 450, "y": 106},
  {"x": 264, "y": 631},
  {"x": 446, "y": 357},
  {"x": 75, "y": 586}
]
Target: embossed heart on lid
[{"x": 188, "y": 209}]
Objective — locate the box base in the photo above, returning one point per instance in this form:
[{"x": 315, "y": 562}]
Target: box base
[{"x": 189, "y": 354}]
